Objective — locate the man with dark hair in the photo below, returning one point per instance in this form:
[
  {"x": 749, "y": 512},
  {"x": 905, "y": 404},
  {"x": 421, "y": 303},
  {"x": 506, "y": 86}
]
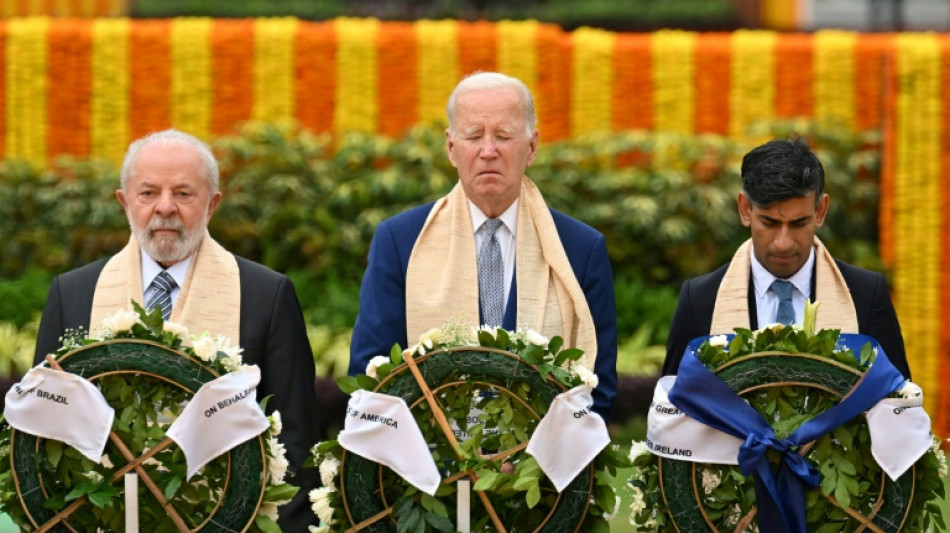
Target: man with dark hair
[{"x": 772, "y": 274}]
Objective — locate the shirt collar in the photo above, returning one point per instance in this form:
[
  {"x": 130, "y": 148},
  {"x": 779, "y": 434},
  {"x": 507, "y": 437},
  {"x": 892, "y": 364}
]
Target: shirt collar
[
  {"x": 801, "y": 280},
  {"x": 150, "y": 269},
  {"x": 509, "y": 218}
]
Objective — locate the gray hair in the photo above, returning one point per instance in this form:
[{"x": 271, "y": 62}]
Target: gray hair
[
  {"x": 480, "y": 80},
  {"x": 169, "y": 137}
]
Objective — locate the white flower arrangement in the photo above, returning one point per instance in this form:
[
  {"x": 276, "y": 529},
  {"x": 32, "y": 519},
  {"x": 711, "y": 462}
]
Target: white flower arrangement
[
  {"x": 372, "y": 368},
  {"x": 320, "y": 500}
]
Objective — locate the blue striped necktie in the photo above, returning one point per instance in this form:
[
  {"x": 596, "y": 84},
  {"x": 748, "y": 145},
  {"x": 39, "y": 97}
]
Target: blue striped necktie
[
  {"x": 491, "y": 276},
  {"x": 786, "y": 313},
  {"x": 161, "y": 296}
]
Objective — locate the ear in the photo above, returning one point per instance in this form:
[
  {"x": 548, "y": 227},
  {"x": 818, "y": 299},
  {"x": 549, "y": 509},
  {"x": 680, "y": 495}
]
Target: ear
[
  {"x": 533, "y": 147},
  {"x": 821, "y": 210},
  {"x": 745, "y": 209},
  {"x": 213, "y": 204},
  {"x": 120, "y": 195},
  {"x": 449, "y": 147}
]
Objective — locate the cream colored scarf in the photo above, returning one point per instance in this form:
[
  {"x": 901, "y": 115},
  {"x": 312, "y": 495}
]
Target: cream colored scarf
[
  {"x": 442, "y": 278},
  {"x": 732, "y": 302},
  {"x": 210, "y": 299}
]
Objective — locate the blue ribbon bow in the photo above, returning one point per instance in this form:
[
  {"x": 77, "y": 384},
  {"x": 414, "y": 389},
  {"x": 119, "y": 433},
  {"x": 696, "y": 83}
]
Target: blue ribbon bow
[{"x": 780, "y": 495}]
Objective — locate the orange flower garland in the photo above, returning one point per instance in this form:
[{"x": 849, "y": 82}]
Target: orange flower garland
[
  {"x": 150, "y": 77},
  {"x": 870, "y": 56},
  {"x": 232, "y": 43},
  {"x": 632, "y": 93},
  {"x": 554, "y": 75},
  {"x": 397, "y": 73},
  {"x": 477, "y": 47},
  {"x": 70, "y": 46},
  {"x": 518, "y": 50},
  {"x": 794, "y": 75},
  {"x": 315, "y": 68},
  {"x": 712, "y": 83}
]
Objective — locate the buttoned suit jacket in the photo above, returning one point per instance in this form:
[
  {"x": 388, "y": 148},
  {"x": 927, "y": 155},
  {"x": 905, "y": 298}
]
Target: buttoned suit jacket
[
  {"x": 273, "y": 337},
  {"x": 381, "y": 322},
  {"x": 869, "y": 292}
]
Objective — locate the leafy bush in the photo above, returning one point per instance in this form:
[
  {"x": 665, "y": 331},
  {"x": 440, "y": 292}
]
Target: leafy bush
[{"x": 308, "y": 205}]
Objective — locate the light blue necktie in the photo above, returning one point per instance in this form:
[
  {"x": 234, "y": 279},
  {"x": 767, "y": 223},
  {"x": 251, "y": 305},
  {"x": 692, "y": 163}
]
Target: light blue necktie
[
  {"x": 161, "y": 296},
  {"x": 491, "y": 276},
  {"x": 786, "y": 313}
]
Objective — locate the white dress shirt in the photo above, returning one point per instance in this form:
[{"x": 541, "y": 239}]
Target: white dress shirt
[{"x": 766, "y": 301}]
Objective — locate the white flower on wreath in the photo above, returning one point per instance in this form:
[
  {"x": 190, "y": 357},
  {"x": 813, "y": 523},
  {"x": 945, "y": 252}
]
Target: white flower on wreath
[
  {"x": 637, "y": 449},
  {"x": 430, "y": 338},
  {"x": 637, "y": 504},
  {"x": 491, "y": 330},
  {"x": 719, "y": 340},
  {"x": 205, "y": 347},
  {"x": 320, "y": 498},
  {"x": 910, "y": 390},
  {"x": 608, "y": 516},
  {"x": 277, "y": 461},
  {"x": 711, "y": 480},
  {"x": 176, "y": 329},
  {"x": 941, "y": 458},
  {"x": 276, "y": 424},
  {"x": 537, "y": 339},
  {"x": 372, "y": 368},
  {"x": 329, "y": 468},
  {"x": 232, "y": 360},
  {"x": 775, "y": 326},
  {"x": 584, "y": 374},
  {"x": 121, "y": 320},
  {"x": 325, "y": 528},
  {"x": 268, "y": 509}
]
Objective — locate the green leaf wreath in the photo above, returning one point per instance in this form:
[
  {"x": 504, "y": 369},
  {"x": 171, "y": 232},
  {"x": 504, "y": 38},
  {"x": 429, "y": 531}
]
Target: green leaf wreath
[
  {"x": 493, "y": 421},
  {"x": 852, "y": 482},
  {"x": 145, "y": 408}
]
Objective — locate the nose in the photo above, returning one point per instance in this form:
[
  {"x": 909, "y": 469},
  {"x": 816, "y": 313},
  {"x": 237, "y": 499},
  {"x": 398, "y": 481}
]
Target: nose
[
  {"x": 783, "y": 241},
  {"x": 166, "y": 205},
  {"x": 488, "y": 148}
]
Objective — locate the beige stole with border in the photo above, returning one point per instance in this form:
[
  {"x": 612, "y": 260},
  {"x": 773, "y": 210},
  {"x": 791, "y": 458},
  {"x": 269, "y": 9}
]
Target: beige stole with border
[
  {"x": 210, "y": 299},
  {"x": 442, "y": 278},
  {"x": 732, "y": 304}
]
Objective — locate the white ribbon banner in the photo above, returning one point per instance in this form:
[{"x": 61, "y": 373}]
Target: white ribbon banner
[
  {"x": 568, "y": 437},
  {"x": 380, "y": 428},
  {"x": 221, "y": 415},
  {"x": 62, "y": 406},
  {"x": 899, "y": 427}
]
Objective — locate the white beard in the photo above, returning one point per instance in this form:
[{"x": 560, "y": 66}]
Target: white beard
[{"x": 169, "y": 250}]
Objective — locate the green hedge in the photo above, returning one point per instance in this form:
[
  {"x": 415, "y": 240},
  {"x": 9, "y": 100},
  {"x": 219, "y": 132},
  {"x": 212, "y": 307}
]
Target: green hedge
[{"x": 294, "y": 201}]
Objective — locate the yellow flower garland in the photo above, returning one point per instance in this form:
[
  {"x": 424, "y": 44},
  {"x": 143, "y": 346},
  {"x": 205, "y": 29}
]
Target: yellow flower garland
[
  {"x": 109, "y": 110},
  {"x": 518, "y": 50},
  {"x": 592, "y": 78},
  {"x": 26, "y": 88},
  {"x": 438, "y": 72},
  {"x": 191, "y": 75},
  {"x": 752, "y": 84},
  {"x": 834, "y": 78},
  {"x": 274, "y": 68},
  {"x": 357, "y": 106},
  {"x": 917, "y": 183},
  {"x": 674, "y": 92}
]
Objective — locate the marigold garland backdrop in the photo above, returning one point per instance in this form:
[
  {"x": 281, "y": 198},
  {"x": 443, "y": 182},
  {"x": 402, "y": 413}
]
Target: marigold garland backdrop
[{"x": 87, "y": 87}]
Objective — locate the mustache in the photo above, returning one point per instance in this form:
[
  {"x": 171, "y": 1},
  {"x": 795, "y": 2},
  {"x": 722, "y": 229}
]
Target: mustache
[{"x": 159, "y": 223}]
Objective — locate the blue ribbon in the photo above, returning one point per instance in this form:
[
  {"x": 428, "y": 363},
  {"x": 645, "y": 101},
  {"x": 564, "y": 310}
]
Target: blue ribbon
[{"x": 780, "y": 495}]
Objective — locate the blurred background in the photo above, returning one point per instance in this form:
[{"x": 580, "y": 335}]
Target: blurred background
[{"x": 327, "y": 117}]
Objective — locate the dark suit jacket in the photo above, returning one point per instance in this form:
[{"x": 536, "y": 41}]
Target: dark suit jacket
[
  {"x": 273, "y": 336},
  {"x": 872, "y": 302},
  {"x": 381, "y": 322}
]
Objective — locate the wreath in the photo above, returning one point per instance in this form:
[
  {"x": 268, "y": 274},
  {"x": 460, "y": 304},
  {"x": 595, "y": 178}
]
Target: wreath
[
  {"x": 790, "y": 375},
  {"x": 145, "y": 372},
  {"x": 493, "y": 387}
]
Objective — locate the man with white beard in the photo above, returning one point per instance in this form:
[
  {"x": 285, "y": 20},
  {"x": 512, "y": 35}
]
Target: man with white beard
[{"x": 169, "y": 190}]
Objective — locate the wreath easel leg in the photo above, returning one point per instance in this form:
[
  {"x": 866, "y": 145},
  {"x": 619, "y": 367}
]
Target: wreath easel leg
[{"x": 450, "y": 435}]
